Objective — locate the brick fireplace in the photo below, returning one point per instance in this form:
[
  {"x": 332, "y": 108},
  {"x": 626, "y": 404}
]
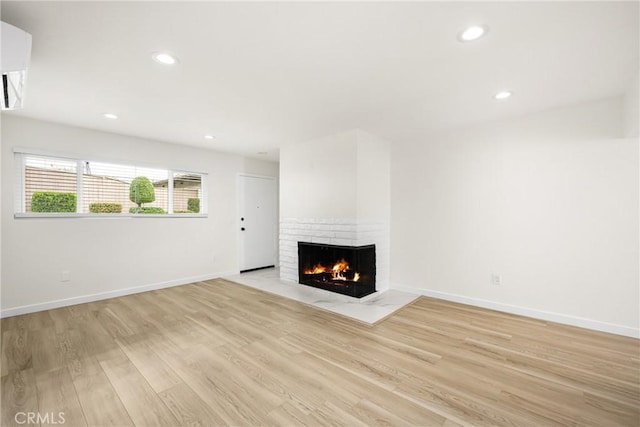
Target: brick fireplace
[{"x": 335, "y": 191}]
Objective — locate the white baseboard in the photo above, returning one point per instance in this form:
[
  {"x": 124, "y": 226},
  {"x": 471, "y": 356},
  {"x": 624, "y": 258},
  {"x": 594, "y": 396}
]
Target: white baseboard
[
  {"x": 529, "y": 312},
  {"x": 48, "y": 305}
]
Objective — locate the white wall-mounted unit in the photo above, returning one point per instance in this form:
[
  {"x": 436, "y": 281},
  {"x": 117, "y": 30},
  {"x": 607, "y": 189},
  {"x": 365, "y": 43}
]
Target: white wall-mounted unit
[{"x": 14, "y": 62}]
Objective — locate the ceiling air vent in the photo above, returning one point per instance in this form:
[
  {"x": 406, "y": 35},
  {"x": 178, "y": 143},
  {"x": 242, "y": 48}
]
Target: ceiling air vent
[{"x": 14, "y": 62}]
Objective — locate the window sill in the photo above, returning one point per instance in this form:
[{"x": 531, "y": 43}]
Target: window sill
[{"x": 102, "y": 216}]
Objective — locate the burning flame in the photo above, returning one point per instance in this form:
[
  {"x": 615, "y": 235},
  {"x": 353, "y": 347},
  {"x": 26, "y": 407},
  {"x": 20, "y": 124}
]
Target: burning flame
[
  {"x": 337, "y": 271},
  {"x": 319, "y": 268}
]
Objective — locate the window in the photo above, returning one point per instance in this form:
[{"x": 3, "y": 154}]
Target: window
[
  {"x": 56, "y": 185},
  {"x": 187, "y": 192},
  {"x": 108, "y": 187}
]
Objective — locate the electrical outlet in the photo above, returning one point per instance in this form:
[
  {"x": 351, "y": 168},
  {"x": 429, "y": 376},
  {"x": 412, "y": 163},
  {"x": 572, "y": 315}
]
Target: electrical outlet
[
  {"x": 496, "y": 279},
  {"x": 65, "y": 276}
]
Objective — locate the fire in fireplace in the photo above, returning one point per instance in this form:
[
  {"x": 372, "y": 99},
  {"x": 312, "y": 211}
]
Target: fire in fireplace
[{"x": 349, "y": 270}]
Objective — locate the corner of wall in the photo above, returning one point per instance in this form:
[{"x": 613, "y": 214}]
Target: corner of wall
[{"x": 631, "y": 108}]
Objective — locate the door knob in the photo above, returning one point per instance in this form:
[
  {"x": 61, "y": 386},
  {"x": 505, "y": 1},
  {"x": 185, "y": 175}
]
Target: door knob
[{"x": 242, "y": 229}]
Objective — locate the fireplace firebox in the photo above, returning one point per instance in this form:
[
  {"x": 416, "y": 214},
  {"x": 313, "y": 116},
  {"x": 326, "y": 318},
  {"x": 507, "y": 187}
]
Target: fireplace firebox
[{"x": 348, "y": 270}]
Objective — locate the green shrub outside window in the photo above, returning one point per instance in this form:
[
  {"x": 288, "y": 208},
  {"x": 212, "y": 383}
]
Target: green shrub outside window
[
  {"x": 50, "y": 201},
  {"x": 193, "y": 205},
  {"x": 147, "y": 210},
  {"x": 100, "y": 207}
]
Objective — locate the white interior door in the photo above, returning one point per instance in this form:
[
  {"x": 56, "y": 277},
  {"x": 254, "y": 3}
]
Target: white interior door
[{"x": 257, "y": 222}]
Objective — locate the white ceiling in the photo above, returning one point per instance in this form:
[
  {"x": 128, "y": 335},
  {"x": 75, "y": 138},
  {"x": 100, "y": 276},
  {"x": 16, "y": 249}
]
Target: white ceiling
[{"x": 263, "y": 75}]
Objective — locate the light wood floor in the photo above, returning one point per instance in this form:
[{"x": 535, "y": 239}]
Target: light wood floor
[{"x": 217, "y": 353}]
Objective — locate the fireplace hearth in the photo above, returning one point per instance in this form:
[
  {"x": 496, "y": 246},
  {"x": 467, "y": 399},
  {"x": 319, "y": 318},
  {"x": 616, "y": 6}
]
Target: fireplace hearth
[{"x": 348, "y": 270}]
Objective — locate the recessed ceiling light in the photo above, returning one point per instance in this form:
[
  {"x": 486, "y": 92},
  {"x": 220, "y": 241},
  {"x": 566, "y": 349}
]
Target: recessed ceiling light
[
  {"x": 164, "y": 58},
  {"x": 110, "y": 116},
  {"x": 209, "y": 137},
  {"x": 472, "y": 33},
  {"x": 503, "y": 94}
]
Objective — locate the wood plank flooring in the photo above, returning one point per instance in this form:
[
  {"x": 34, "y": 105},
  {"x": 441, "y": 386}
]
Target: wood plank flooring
[{"x": 217, "y": 353}]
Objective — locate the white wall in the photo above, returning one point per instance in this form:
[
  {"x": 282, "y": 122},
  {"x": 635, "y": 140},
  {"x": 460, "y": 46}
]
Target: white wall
[
  {"x": 341, "y": 175},
  {"x": 373, "y": 186},
  {"x": 549, "y": 202},
  {"x": 632, "y": 108},
  {"x": 319, "y": 178},
  {"x": 107, "y": 257}
]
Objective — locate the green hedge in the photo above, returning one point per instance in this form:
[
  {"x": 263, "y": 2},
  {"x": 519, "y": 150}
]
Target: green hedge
[
  {"x": 50, "y": 201},
  {"x": 147, "y": 210},
  {"x": 193, "y": 205},
  {"x": 100, "y": 207}
]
